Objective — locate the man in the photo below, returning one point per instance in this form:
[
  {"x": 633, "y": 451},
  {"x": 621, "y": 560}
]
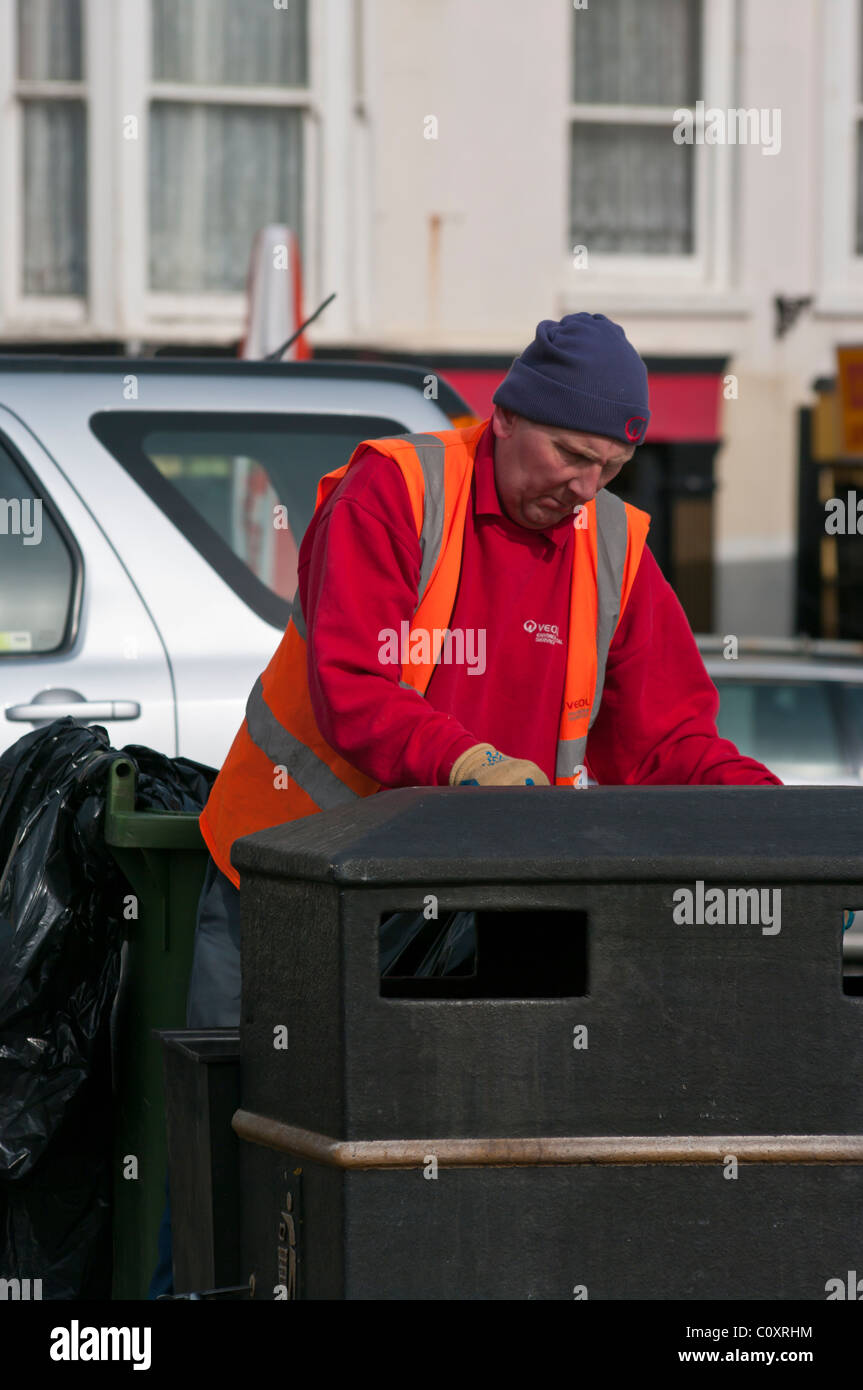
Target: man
[{"x": 560, "y": 625}]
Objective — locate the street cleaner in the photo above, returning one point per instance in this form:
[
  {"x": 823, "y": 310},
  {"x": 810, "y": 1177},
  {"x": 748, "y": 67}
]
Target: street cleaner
[{"x": 474, "y": 607}]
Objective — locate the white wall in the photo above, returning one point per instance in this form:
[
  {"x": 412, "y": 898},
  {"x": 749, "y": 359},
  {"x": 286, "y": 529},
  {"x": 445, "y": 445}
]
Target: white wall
[
  {"x": 496, "y": 76},
  {"x": 460, "y": 242}
]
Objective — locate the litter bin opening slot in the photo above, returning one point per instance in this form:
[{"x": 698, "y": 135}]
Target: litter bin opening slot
[{"x": 527, "y": 953}]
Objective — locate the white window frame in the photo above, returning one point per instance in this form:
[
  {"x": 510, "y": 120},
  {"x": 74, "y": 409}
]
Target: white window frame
[
  {"x": 699, "y": 282},
  {"x": 117, "y": 84},
  {"x": 840, "y": 271},
  {"x": 158, "y": 311},
  {"x": 20, "y": 311}
]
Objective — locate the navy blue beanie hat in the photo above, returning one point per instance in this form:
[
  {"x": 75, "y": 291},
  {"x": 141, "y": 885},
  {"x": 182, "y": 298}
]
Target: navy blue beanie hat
[{"x": 581, "y": 374}]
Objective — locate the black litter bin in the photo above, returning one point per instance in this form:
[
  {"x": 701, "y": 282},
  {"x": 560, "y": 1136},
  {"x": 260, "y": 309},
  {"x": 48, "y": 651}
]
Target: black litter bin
[{"x": 645, "y": 1085}]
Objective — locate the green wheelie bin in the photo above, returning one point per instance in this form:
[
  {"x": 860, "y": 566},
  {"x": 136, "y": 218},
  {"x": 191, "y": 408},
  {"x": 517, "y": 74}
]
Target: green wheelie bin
[{"x": 164, "y": 858}]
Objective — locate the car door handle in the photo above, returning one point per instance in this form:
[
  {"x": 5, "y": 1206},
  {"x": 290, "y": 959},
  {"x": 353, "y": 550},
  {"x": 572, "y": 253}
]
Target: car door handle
[{"x": 43, "y": 713}]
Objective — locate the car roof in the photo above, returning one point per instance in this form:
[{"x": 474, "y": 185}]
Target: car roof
[
  {"x": 783, "y": 658},
  {"x": 399, "y": 373}
]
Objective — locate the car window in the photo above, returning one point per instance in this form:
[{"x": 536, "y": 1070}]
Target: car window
[
  {"x": 240, "y": 487},
  {"x": 854, "y": 706},
  {"x": 37, "y": 569},
  {"x": 789, "y": 726}
]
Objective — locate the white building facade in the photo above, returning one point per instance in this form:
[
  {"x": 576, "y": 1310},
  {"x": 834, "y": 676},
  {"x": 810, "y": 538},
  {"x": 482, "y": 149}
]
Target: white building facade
[{"x": 457, "y": 171}]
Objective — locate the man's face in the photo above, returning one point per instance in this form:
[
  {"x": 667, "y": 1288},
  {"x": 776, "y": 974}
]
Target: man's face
[{"x": 542, "y": 472}]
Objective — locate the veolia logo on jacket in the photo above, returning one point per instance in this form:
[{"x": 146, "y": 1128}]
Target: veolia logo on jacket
[{"x": 545, "y": 632}]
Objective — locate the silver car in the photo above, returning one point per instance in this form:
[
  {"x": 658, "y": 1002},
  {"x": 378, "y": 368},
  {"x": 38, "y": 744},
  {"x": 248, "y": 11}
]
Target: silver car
[
  {"x": 150, "y": 517},
  {"x": 797, "y": 706}
]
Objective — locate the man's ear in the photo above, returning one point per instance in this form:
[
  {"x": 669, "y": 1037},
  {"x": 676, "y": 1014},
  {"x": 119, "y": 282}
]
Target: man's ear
[{"x": 503, "y": 422}]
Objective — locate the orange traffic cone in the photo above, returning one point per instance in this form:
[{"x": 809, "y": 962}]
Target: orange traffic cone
[{"x": 274, "y": 296}]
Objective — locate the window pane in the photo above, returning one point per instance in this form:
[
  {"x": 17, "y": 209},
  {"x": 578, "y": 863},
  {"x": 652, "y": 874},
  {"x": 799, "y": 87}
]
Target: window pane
[
  {"x": 234, "y": 479},
  {"x": 232, "y": 491},
  {"x": 55, "y": 197},
  {"x": 643, "y": 52},
  {"x": 631, "y": 190},
  {"x": 788, "y": 726},
  {"x": 49, "y": 39},
  {"x": 231, "y": 471},
  {"x": 36, "y": 571},
  {"x": 218, "y": 174},
  {"x": 230, "y": 41}
]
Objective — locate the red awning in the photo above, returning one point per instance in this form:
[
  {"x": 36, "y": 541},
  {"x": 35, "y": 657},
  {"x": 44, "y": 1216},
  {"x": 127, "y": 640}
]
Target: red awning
[{"x": 684, "y": 406}]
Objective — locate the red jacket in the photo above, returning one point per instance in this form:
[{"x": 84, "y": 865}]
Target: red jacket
[{"x": 359, "y": 566}]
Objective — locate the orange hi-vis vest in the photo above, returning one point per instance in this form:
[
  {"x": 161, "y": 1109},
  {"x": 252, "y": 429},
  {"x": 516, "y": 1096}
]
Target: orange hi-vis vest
[{"x": 280, "y": 768}]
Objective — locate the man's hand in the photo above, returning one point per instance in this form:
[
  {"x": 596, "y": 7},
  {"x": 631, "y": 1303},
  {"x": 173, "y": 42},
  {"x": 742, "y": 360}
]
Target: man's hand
[{"x": 484, "y": 766}]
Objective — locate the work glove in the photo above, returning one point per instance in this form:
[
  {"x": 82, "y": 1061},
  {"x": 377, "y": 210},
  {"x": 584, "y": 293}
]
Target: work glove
[{"x": 484, "y": 766}]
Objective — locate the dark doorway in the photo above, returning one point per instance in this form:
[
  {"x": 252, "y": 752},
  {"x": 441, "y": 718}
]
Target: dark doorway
[{"x": 674, "y": 483}]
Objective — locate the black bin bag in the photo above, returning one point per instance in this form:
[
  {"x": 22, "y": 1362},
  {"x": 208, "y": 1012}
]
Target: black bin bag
[
  {"x": 414, "y": 947},
  {"x": 61, "y": 898}
]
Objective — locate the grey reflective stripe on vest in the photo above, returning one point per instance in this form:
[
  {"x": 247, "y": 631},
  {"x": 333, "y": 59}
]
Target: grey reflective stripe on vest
[
  {"x": 283, "y": 750},
  {"x": 297, "y": 615},
  {"x": 611, "y": 534},
  {"x": 611, "y": 530},
  {"x": 430, "y": 452}
]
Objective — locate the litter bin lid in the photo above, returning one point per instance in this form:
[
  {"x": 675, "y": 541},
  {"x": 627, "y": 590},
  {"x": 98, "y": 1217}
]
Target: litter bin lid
[{"x": 562, "y": 834}]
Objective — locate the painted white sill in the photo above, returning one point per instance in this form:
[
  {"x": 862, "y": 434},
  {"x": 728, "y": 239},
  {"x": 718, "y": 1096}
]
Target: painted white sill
[
  {"x": 833, "y": 304},
  {"x": 674, "y": 302}
]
